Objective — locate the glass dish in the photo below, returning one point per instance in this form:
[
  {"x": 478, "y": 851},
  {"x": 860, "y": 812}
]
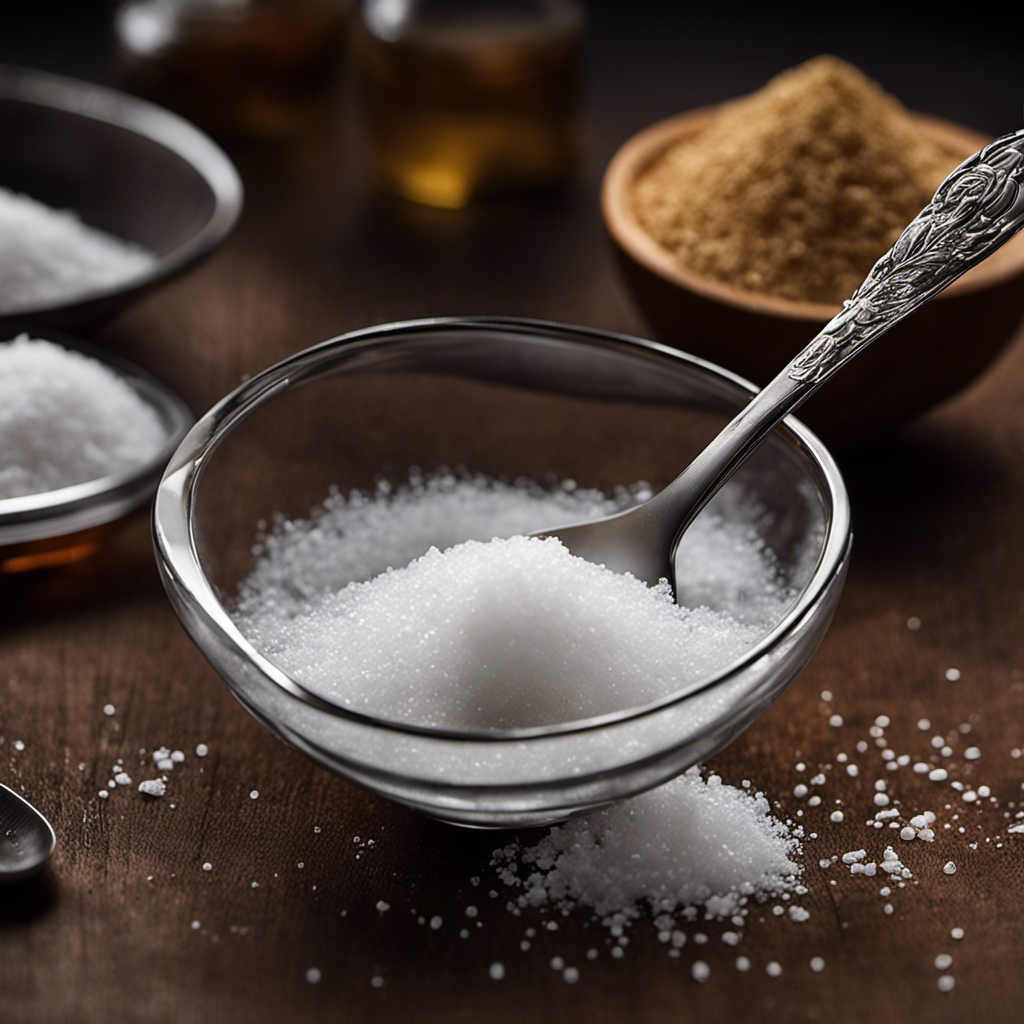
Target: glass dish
[
  {"x": 506, "y": 398},
  {"x": 64, "y": 525}
]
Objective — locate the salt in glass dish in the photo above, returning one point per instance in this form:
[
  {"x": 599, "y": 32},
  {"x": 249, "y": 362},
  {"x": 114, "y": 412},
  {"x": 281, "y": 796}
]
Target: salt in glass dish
[
  {"x": 67, "y": 524},
  {"x": 510, "y": 399}
]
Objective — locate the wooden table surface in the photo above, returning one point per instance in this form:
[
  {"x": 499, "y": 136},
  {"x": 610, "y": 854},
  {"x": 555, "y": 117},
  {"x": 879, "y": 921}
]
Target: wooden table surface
[{"x": 129, "y": 924}]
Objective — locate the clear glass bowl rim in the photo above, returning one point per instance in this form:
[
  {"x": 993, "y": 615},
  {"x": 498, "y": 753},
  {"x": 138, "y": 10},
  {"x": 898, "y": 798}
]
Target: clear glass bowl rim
[{"x": 195, "y": 600}]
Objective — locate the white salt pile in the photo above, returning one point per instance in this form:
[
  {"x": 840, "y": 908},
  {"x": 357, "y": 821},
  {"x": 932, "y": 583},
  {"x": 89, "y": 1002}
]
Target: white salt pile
[
  {"x": 508, "y": 633},
  {"x": 692, "y": 844},
  {"x": 49, "y": 255},
  {"x": 65, "y": 418}
]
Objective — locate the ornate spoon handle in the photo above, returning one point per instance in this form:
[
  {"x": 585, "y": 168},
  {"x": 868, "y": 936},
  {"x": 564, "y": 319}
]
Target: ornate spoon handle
[{"x": 975, "y": 210}]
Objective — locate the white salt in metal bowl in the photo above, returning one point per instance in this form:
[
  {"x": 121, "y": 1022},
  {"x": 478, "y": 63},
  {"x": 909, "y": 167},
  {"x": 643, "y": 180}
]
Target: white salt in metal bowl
[
  {"x": 126, "y": 167},
  {"x": 506, "y": 398},
  {"x": 63, "y": 525}
]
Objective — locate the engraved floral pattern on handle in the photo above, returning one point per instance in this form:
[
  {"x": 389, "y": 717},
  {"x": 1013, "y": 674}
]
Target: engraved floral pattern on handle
[{"x": 975, "y": 210}]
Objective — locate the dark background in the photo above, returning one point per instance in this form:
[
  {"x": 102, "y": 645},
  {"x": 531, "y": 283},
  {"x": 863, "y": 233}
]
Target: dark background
[{"x": 107, "y": 933}]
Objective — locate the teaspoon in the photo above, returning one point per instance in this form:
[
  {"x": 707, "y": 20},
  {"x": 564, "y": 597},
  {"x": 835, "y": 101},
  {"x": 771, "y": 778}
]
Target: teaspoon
[
  {"x": 975, "y": 210},
  {"x": 26, "y": 838}
]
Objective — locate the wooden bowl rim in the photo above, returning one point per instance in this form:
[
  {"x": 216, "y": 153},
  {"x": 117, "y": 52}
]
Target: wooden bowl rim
[{"x": 641, "y": 149}]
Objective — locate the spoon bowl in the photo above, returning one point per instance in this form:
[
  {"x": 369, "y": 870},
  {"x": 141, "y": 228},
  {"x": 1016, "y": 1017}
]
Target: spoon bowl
[
  {"x": 26, "y": 837},
  {"x": 977, "y": 209}
]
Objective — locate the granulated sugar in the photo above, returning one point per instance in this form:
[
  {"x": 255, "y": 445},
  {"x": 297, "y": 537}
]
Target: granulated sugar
[
  {"x": 437, "y": 641},
  {"x": 65, "y": 418},
  {"x": 50, "y": 255},
  {"x": 692, "y": 843}
]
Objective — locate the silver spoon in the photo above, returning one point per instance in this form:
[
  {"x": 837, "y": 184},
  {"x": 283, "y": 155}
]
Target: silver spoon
[
  {"x": 975, "y": 210},
  {"x": 26, "y": 838}
]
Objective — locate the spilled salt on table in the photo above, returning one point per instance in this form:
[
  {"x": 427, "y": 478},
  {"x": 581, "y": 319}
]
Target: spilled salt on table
[
  {"x": 691, "y": 843},
  {"x": 50, "y": 255},
  {"x": 65, "y": 418},
  {"x": 494, "y": 633}
]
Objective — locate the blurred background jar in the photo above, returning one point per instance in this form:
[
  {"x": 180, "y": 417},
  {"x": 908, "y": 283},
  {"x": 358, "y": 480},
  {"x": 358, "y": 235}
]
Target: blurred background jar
[
  {"x": 466, "y": 99},
  {"x": 261, "y": 68}
]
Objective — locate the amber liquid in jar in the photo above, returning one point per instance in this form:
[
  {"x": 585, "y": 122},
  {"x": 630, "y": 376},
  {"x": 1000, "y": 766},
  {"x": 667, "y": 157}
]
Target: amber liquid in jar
[
  {"x": 466, "y": 100},
  {"x": 259, "y": 68}
]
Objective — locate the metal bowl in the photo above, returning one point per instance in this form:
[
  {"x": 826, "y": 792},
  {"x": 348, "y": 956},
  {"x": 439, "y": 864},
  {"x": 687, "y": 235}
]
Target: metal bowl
[
  {"x": 52, "y": 527},
  {"x": 125, "y": 167},
  {"x": 502, "y": 397}
]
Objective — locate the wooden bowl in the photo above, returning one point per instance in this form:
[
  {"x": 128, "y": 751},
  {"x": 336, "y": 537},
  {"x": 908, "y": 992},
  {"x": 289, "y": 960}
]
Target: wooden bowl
[{"x": 933, "y": 354}]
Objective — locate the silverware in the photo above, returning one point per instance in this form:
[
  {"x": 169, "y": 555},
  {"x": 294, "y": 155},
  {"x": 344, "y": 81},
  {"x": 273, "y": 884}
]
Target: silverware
[
  {"x": 975, "y": 210},
  {"x": 26, "y": 837}
]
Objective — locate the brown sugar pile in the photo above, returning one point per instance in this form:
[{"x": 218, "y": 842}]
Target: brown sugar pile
[{"x": 797, "y": 189}]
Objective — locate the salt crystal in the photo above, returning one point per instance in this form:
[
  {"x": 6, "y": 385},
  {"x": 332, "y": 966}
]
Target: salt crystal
[
  {"x": 497, "y": 971},
  {"x": 972, "y": 753},
  {"x": 153, "y": 787},
  {"x": 65, "y": 418},
  {"x": 313, "y": 975},
  {"x": 579, "y": 639},
  {"x": 946, "y": 983},
  {"x": 691, "y": 842},
  {"x": 50, "y": 255},
  {"x": 700, "y": 971},
  {"x": 817, "y": 964}
]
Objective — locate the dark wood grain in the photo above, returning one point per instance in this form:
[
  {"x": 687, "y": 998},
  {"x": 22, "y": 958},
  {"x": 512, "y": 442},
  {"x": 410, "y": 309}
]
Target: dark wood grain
[{"x": 127, "y": 924}]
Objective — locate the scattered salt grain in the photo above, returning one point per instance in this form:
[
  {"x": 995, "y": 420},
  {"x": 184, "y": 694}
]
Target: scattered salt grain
[
  {"x": 313, "y": 975},
  {"x": 946, "y": 983},
  {"x": 949, "y": 867},
  {"x": 943, "y": 961},
  {"x": 202, "y": 750},
  {"x": 690, "y": 843},
  {"x": 153, "y": 787},
  {"x": 817, "y": 964},
  {"x": 700, "y": 971},
  {"x": 497, "y": 971},
  {"x": 109, "y": 709},
  {"x": 65, "y": 418}
]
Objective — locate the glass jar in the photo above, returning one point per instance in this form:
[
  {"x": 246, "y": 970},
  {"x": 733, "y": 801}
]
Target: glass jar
[
  {"x": 470, "y": 98},
  {"x": 237, "y": 67}
]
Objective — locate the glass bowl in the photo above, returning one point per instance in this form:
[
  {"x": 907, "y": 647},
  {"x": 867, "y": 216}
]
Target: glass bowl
[
  {"x": 124, "y": 166},
  {"x": 506, "y": 398},
  {"x": 64, "y": 525}
]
